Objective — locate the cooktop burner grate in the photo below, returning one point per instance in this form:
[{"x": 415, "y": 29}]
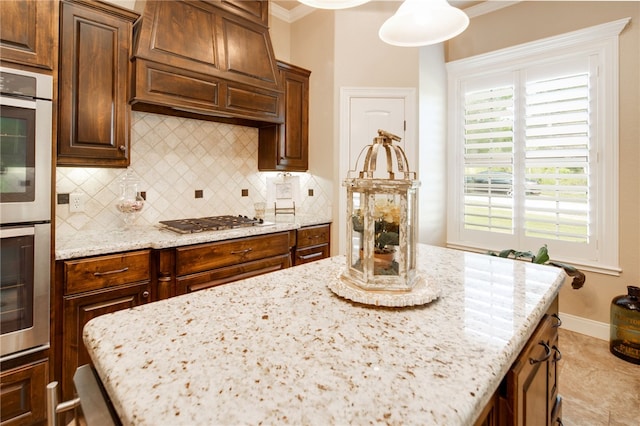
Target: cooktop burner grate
[{"x": 213, "y": 223}]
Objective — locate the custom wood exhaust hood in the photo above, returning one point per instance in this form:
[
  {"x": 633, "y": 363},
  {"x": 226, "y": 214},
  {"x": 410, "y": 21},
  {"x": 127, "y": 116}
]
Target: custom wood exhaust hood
[{"x": 210, "y": 60}]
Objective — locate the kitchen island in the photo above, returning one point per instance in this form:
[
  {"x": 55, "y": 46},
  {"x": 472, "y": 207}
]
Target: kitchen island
[{"x": 282, "y": 348}]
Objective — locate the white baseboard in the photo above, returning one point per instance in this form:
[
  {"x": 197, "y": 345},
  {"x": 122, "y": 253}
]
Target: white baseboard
[{"x": 599, "y": 330}]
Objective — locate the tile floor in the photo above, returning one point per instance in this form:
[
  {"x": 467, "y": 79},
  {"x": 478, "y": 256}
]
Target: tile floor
[{"x": 597, "y": 388}]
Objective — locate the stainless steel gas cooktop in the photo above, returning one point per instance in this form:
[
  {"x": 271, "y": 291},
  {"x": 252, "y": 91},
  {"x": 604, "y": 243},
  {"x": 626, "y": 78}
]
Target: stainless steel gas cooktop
[{"x": 212, "y": 223}]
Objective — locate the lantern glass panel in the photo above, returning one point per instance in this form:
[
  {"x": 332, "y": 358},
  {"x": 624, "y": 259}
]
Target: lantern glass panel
[
  {"x": 357, "y": 228},
  {"x": 386, "y": 216}
]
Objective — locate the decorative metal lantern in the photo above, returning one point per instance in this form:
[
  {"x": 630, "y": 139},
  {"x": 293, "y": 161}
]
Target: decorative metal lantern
[{"x": 382, "y": 222}]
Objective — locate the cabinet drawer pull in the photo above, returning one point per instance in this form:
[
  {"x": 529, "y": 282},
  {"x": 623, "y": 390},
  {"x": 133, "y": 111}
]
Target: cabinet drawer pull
[
  {"x": 559, "y": 323},
  {"x": 310, "y": 256},
  {"x": 242, "y": 252},
  {"x": 116, "y": 271},
  {"x": 558, "y": 355},
  {"x": 145, "y": 294},
  {"x": 122, "y": 148},
  {"x": 546, "y": 356}
]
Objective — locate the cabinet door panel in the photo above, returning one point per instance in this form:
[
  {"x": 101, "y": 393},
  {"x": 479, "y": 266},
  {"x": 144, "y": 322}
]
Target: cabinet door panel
[
  {"x": 286, "y": 146},
  {"x": 79, "y": 310},
  {"x": 534, "y": 394},
  {"x": 28, "y": 30},
  {"x": 532, "y": 380},
  {"x": 93, "y": 127}
]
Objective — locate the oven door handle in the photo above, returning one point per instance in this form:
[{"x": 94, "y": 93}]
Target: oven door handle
[
  {"x": 19, "y": 102},
  {"x": 17, "y": 232}
]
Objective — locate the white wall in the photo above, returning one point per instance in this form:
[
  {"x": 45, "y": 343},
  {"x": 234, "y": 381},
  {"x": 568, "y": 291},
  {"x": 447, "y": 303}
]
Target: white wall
[{"x": 432, "y": 152}]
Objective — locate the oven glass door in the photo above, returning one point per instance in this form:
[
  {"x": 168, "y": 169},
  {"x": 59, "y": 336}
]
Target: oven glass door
[
  {"x": 17, "y": 154},
  {"x": 26, "y": 114},
  {"x": 24, "y": 287}
]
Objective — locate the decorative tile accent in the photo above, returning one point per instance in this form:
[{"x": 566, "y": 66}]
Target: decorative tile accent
[{"x": 173, "y": 157}]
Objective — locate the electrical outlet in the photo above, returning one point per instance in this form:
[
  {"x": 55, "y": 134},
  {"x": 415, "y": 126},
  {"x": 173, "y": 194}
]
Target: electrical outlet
[{"x": 76, "y": 202}]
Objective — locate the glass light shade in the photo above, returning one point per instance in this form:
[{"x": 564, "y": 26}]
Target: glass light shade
[
  {"x": 423, "y": 22},
  {"x": 333, "y": 4}
]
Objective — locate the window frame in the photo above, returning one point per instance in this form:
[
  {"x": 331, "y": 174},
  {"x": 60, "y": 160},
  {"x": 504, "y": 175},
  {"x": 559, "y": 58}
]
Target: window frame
[{"x": 599, "y": 43}]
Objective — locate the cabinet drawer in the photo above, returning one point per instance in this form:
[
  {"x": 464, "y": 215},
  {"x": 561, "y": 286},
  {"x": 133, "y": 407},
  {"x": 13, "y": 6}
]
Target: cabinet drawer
[
  {"x": 106, "y": 271},
  {"x": 313, "y": 236},
  {"x": 228, "y": 274},
  {"x": 22, "y": 394},
  {"x": 311, "y": 254},
  {"x": 203, "y": 257}
]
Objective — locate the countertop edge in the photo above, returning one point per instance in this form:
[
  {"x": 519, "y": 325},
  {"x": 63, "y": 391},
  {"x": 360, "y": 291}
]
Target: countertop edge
[{"x": 109, "y": 241}]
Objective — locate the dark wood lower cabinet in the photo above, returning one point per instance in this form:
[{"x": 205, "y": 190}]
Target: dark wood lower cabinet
[
  {"x": 91, "y": 287},
  {"x": 312, "y": 243},
  {"x": 207, "y": 265},
  {"x": 202, "y": 280},
  {"x": 79, "y": 310},
  {"x": 22, "y": 394},
  {"x": 528, "y": 395}
]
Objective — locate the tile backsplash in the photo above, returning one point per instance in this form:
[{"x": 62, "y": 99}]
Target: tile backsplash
[{"x": 173, "y": 158}]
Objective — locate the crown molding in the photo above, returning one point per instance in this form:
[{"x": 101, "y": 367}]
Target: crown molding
[
  {"x": 487, "y": 7},
  {"x": 290, "y": 16}
]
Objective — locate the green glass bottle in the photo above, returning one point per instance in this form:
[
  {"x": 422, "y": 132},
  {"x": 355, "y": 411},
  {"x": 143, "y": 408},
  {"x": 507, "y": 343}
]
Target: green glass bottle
[{"x": 625, "y": 326}]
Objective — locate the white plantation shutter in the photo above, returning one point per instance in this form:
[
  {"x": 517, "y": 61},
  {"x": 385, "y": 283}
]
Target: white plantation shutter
[
  {"x": 526, "y": 155},
  {"x": 557, "y": 156},
  {"x": 488, "y": 155},
  {"x": 533, "y": 148}
]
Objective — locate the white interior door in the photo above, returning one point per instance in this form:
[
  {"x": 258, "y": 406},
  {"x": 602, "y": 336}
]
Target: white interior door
[
  {"x": 366, "y": 116},
  {"x": 362, "y": 112}
]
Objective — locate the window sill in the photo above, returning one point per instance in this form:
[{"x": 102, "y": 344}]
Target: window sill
[{"x": 583, "y": 266}]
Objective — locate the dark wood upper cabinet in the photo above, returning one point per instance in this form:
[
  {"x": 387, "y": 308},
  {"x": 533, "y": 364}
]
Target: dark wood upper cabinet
[
  {"x": 257, "y": 11},
  {"x": 284, "y": 147},
  {"x": 93, "y": 109},
  {"x": 212, "y": 58},
  {"x": 28, "y": 33}
]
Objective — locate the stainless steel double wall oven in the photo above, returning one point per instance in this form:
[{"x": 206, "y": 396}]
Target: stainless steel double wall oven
[{"x": 25, "y": 211}]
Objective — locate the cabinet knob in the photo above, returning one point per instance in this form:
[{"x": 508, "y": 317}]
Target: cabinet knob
[
  {"x": 145, "y": 294},
  {"x": 122, "y": 148}
]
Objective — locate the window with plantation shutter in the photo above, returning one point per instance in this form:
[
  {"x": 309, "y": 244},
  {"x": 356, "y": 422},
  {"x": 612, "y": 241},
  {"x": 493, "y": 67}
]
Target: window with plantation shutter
[
  {"x": 533, "y": 149},
  {"x": 557, "y": 158}
]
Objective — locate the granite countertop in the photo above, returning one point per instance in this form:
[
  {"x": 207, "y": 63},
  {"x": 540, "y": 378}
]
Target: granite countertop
[
  {"x": 101, "y": 241},
  {"x": 282, "y": 348}
]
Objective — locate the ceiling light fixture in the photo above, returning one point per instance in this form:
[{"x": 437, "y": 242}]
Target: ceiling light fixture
[
  {"x": 333, "y": 4},
  {"x": 421, "y": 23}
]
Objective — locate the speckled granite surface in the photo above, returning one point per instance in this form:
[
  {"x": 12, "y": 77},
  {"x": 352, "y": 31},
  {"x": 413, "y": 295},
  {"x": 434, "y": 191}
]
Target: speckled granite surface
[
  {"x": 282, "y": 348},
  {"x": 91, "y": 243}
]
